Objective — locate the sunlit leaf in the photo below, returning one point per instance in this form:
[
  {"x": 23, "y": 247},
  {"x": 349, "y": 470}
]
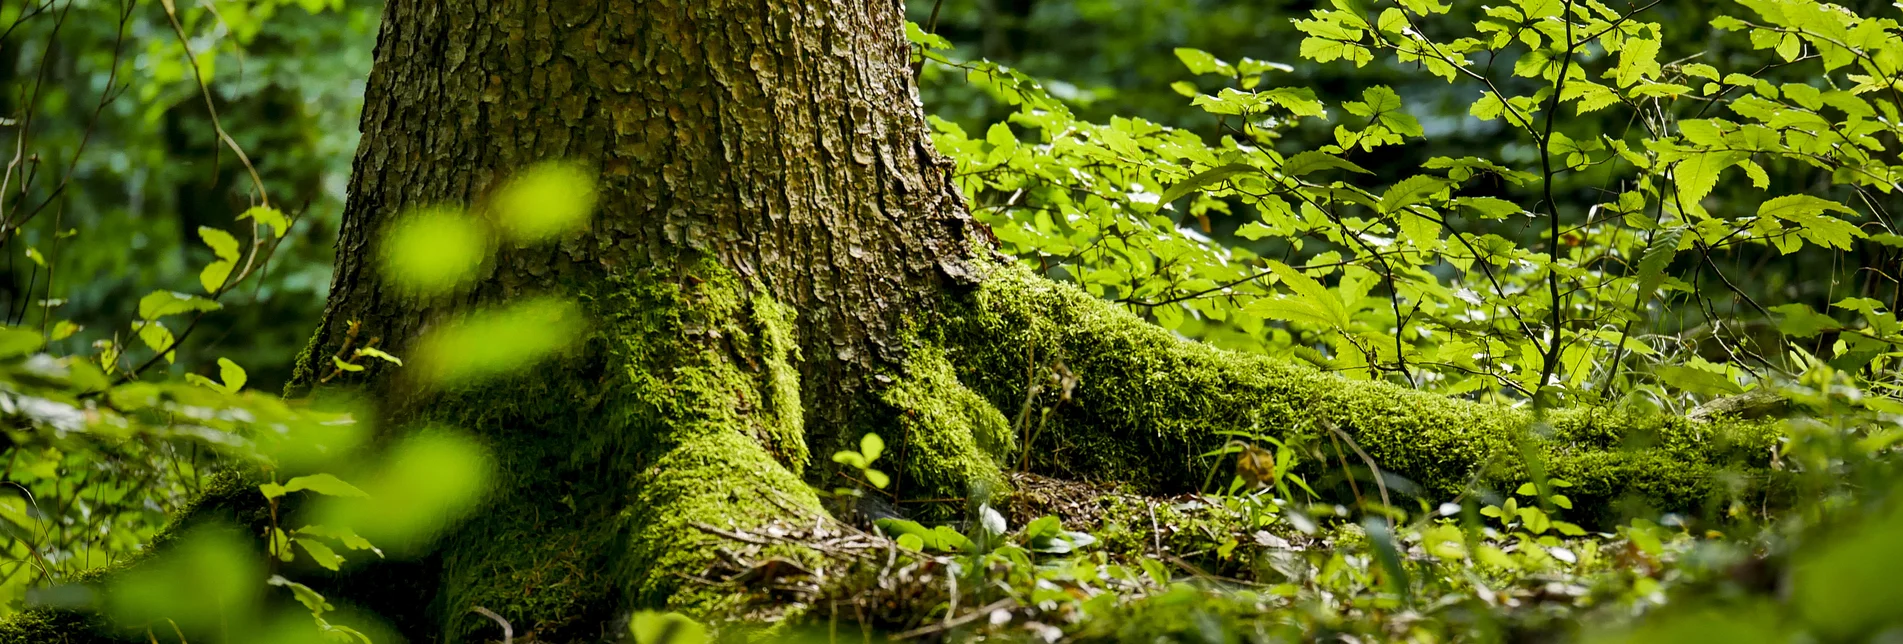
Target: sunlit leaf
[
  {"x": 434, "y": 250},
  {"x": 545, "y": 201},
  {"x": 498, "y": 341}
]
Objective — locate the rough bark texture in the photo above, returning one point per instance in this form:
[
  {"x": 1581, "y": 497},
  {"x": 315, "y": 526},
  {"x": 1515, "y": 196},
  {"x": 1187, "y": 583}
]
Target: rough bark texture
[
  {"x": 771, "y": 221},
  {"x": 783, "y": 140}
]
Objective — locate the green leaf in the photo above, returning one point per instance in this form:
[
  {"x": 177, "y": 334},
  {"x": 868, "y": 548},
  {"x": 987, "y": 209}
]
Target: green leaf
[
  {"x": 324, "y": 484},
  {"x": 65, "y": 329},
  {"x": 911, "y": 542},
  {"x": 1490, "y": 207},
  {"x": 1297, "y": 100},
  {"x": 270, "y": 217},
  {"x": 1410, "y": 191},
  {"x": 877, "y": 478},
  {"x": 158, "y": 304},
  {"x": 1801, "y": 321},
  {"x": 233, "y": 375},
  {"x": 311, "y": 599},
  {"x": 1697, "y": 381},
  {"x": 871, "y": 446},
  {"x": 343, "y": 535},
  {"x": 1311, "y": 302},
  {"x": 1312, "y": 160},
  {"x": 1638, "y": 60},
  {"x": 16, "y": 342},
  {"x": 851, "y": 459},
  {"x": 1204, "y": 179},
  {"x": 345, "y": 366},
  {"x": 1202, "y": 62},
  {"x": 649, "y": 627},
  {"x": 225, "y": 247},
  {"x": 545, "y": 201},
  {"x": 919, "y": 37},
  {"x": 1807, "y": 212},
  {"x": 320, "y": 552},
  {"x": 1696, "y": 175},
  {"x": 494, "y": 342},
  {"x": 156, "y": 337},
  {"x": 1658, "y": 255},
  {"x": 438, "y": 250}
]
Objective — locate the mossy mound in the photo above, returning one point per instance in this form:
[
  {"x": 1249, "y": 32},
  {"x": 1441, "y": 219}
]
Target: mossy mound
[{"x": 1148, "y": 404}]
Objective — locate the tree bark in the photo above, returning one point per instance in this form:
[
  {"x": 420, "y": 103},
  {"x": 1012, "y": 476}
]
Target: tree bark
[
  {"x": 785, "y": 143},
  {"x": 772, "y": 220}
]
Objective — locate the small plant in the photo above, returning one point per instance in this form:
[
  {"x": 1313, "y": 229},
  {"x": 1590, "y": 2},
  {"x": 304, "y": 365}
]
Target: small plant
[{"x": 861, "y": 472}]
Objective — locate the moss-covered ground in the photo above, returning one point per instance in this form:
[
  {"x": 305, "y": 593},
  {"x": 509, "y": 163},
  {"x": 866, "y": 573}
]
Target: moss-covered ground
[{"x": 682, "y": 410}]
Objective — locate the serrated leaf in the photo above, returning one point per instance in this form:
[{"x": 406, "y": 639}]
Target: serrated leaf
[
  {"x": 269, "y": 216},
  {"x": 1490, "y": 207},
  {"x": 1801, "y": 321},
  {"x": 343, "y": 535},
  {"x": 1312, "y": 160},
  {"x": 1204, "y": 179},
  {"x": 225, "y": 247},
  {"x": 1297, "y": 100},
  {"x": 1410, "y": 191},
  {"x": 158, "y": 304},
  {"x": 324, "y": 484},
  {"x": 320, "y": 553},
  {"x": 1698, "y": 173},
  {"x": 1808, "y": 211},
  {"x": 1656, "y": 257},
  {"x": 1697, "y": 381},
  {"x": 156, "y": 337}
]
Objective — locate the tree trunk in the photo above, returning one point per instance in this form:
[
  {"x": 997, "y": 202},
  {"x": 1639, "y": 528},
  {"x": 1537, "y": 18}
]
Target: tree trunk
[
  {"x": 778, "y": 264},
  {"x": 771, "y": 219}
]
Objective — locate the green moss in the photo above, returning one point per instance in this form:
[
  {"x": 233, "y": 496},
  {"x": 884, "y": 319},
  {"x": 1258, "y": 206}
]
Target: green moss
[
  {"x": 683, "y": 407},
  {"x": 42, "y": 626},
  {"x": 1149, "y": 403},
  {"x": 951, "y": 442},
  {"x": 721, "y": 479},
  {"x": 786, "y": 433}
]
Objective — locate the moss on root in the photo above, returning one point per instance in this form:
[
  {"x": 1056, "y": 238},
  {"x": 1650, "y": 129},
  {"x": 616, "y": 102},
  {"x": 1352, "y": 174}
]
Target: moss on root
[
  {"x": 951, "y": 442},
  {"x": 683, "y": 409},
  {"x": 1148, "y": 403}
]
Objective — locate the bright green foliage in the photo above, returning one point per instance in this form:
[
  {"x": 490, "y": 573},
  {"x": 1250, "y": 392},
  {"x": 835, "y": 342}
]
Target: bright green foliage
[
  {"x": 1432, "y": 278},
  {"x": 125, "y": 185}
]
